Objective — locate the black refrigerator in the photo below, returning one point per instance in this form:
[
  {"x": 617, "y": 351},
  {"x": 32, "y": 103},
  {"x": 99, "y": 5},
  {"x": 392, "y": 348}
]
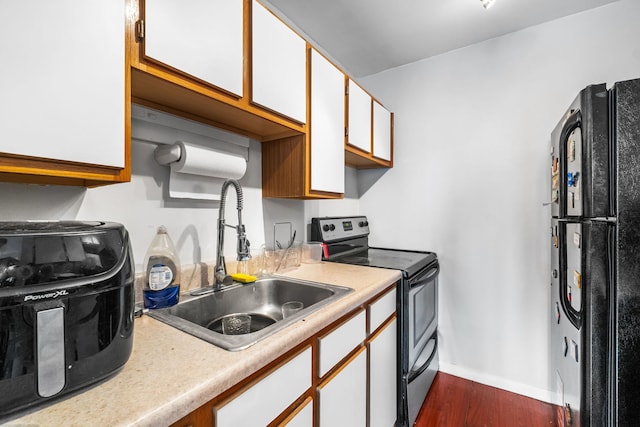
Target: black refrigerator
[{"x": 595, "y": 258}]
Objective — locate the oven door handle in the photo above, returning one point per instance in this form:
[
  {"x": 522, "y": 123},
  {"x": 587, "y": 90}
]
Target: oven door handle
[
  {"x": 430, "y": 350},
  {"x": 425, "y": 276}
]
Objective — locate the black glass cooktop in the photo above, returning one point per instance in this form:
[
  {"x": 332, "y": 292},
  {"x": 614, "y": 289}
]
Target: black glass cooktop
[{"x": 410, "y": 262}]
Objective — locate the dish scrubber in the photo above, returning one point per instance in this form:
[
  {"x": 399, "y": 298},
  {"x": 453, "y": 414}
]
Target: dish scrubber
[{"x": 243, "y": 278}]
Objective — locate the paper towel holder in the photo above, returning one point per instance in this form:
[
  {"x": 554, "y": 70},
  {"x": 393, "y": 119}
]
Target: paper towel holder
[
  {"x": 197, "y": 171},
  {"x": 167, "y": 153},
  {"x": 175, "y": 155}
]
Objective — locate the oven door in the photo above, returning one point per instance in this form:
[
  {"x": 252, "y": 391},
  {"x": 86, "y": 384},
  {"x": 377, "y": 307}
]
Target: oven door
[
  {"x": 423, "y": 314},
  {"x": 419, "y": 348}
]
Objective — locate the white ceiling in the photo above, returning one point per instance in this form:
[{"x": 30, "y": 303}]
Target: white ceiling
[{"x": 369, "y": 36}]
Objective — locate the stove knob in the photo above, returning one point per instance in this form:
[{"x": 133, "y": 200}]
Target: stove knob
[
  {"x": 325, "y": 227},
  {"x": 363, "y": 223},
  {"x": 332, "y": 227}
]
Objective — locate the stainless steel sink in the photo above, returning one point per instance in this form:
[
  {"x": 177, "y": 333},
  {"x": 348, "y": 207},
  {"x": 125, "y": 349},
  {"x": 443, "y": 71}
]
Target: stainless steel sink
[{"x": 201, "y": 315}]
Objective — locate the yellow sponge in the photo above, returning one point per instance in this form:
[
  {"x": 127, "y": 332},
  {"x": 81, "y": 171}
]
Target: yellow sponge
[{"x": 243, "y": 278}]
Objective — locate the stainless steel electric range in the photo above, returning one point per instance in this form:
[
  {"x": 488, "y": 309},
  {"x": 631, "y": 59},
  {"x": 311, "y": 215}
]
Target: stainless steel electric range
[{"x": 346, "y": 240}]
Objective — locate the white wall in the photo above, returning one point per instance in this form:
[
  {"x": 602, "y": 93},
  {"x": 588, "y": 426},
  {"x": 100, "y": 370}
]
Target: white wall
[{"x": 470, "y": 177}]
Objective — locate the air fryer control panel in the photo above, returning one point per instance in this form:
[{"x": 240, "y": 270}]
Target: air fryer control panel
[{"x": 332, "y": 229}]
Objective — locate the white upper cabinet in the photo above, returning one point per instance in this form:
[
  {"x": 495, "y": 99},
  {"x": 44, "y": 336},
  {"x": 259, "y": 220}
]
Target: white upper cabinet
[
  {"x": 327, "y": 125},
  {"x": 381, "y": 132},
  {"x": 279, "y": 69},
  {"x": 359, "y": 118},
  {"x": 62, "y": 91},
  {"x": 203, "y": 38}
]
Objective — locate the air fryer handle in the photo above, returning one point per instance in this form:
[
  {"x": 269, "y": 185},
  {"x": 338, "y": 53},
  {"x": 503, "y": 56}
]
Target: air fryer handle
[{"x": 50, "y": 350}]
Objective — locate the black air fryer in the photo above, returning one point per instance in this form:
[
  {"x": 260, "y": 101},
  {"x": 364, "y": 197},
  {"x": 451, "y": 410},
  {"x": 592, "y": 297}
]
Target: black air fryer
[{"x": 66, "y": 308}]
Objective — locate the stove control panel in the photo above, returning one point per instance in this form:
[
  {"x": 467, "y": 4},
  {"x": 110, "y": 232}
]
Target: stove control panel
[{"x": 329, "y": 229}]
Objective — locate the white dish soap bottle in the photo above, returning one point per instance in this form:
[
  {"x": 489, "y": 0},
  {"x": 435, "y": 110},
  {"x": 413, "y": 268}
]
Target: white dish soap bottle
[{"x": 162, "y": 270}]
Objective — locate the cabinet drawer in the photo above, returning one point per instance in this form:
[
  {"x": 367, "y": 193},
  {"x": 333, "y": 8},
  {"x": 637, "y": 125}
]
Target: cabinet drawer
[
  {"x": 339, "y": 342},
  {"x": 264, "y": 401},
  {"x": 381, "y": 310}
]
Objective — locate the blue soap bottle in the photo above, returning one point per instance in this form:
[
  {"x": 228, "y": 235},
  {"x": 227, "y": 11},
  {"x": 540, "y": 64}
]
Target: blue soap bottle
[{"x": 162, "y": 272}]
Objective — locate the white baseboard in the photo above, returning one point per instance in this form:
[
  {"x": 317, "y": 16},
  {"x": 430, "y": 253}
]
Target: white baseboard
[{"x": 501, "y": 383}]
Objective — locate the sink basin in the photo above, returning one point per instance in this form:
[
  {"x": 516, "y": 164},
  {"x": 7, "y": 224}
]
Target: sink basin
[{"x": 201, "y": 315}]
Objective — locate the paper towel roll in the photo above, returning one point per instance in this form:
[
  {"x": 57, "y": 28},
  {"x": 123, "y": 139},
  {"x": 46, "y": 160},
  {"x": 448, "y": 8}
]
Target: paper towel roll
[
  {"x": 198, "y": 172},
  {"x": 198, "y": 160}
]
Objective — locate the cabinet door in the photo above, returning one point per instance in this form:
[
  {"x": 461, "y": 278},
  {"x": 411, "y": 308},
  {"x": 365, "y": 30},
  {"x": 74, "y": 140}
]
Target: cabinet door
[
  {"x": 381, "y": 310},
  {"x": 341, "y": 341},
  {"x": 62, "y": 91},
  {"x": 279, "y": 69},
  {"x": 383, "y": 377},
  {"x": 343, "y": 399},
  {"x": 263, "y": 402},
  {"x": 381, "y": 132},
  {"x": 359, "y": 118},
  {"x": 202, "y": 38},
  {"x": 327, "y": 125}
]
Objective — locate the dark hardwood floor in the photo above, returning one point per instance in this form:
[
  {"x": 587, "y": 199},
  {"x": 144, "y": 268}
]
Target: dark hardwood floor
[{"x": 456, "y": 402}]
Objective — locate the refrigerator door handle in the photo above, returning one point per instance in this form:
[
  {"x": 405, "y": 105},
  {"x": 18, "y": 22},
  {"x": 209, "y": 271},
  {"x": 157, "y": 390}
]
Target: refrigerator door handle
[
  {"x": 573, "y": 122},
  {"x": 572, "y": 314}
]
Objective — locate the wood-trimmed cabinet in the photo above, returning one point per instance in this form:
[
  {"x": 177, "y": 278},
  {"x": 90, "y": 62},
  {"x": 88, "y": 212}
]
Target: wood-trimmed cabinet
[
  {"x": 269, "y": 396},
  {"x": 327, "y": 125},
  {"x": 278, "y": 65},
  {"x": 280, "y": 105},
  {"x": 311, "y": 165},
  {"x": 369, "y": 135},
  {"x": 65, "y": 94},
  {"x": 382, "y": 345},
  {"x": 359, "y": 117},
  {"x": 227, "y": 63},
  {"x": 201, "y": 86},
  {"x": 202, "y": 39},
  {"x": 346, "y": 374},
  {"x": 382, "y": 132}
]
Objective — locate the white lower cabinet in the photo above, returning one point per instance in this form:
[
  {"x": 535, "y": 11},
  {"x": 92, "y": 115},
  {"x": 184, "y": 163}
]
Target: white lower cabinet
[
  {"x": 336, "y": 345},
  {"x": 343, "y": 397},
  {"x": 383, "y": 377},
  {"x": 264, "y": 401},
  {"x": 350, "y": 381}
]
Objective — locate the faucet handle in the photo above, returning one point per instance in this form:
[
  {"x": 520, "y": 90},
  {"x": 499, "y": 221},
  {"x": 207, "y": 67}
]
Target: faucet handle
[{"x": 223, "y": 279}]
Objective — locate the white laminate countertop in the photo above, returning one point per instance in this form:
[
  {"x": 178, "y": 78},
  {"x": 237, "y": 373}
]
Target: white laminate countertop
[{"x": 171, "y": 373}]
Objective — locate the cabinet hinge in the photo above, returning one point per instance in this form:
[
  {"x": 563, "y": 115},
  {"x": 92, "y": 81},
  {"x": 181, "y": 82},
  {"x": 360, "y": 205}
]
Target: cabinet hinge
[
  {"x": 346, "y": 90},
  {"x": 140, "y": 30},
  {"x": 346, "y": 131}
]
